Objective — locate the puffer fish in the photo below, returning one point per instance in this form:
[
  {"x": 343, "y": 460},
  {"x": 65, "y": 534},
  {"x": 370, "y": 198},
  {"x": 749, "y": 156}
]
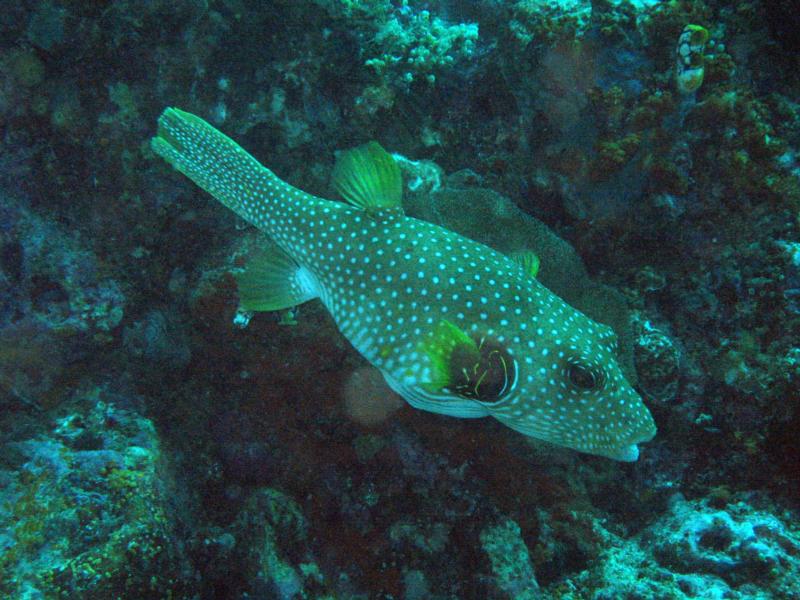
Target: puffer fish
[
  {"x": 454, "y": 326},
  {"x": 689, "y": 59}
]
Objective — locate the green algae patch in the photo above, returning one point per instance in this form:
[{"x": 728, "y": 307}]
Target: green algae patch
[{"x": 87, "y": 515}]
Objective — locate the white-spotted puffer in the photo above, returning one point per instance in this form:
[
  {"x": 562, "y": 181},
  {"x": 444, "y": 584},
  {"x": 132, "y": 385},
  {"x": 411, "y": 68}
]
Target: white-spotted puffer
[{"x": 455, "y": 327}]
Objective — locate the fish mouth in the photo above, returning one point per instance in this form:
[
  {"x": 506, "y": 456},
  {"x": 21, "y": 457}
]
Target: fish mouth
[{"x": 629, "y": 452}]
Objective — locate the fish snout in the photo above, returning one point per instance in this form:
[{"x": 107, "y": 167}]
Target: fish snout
[{"x": 629, "y": 451}]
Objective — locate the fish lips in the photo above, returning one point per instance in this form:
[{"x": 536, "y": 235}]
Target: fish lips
[{"x": 628, "y": 452}]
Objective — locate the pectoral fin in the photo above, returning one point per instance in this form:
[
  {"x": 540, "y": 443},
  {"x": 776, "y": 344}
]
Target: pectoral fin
[{"x": 480, "y": 369}]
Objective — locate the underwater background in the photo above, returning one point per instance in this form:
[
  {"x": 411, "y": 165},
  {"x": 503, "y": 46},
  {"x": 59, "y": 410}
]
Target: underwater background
[{"x": 157, "y": 442}]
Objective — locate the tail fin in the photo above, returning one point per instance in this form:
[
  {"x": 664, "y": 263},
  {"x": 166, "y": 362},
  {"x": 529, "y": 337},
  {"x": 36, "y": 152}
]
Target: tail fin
[{"x": 217, "y": 164}]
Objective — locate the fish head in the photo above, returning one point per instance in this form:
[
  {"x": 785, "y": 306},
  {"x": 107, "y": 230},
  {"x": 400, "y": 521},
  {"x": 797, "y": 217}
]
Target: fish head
[
  {"x": 562, "y": 385},
  {"x": 568, "y": 389}
]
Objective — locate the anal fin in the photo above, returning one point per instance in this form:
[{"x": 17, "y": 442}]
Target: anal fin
[{"x": 272, "y": 280}]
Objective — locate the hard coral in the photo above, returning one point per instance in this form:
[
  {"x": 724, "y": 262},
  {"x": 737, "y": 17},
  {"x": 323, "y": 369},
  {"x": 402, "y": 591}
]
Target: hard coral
[
  {"x": 415, "y": 44},
  {"x": 612, "y": 155}
]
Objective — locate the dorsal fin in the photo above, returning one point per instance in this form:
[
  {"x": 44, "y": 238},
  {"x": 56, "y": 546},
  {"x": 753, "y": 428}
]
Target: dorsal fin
[
  {"x": 528, "y": 260},
  {"x": 368, "y": 177}
]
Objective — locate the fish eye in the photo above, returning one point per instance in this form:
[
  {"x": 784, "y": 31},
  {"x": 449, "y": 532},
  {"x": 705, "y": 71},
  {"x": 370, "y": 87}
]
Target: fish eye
[{"x": 584, "y": 377}]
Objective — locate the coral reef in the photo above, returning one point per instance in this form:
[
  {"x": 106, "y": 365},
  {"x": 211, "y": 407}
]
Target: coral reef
[
  {"x": 86, "y": 509},
  {"x": 696, "y": 551},
  {"x": 157, "y": 442}
]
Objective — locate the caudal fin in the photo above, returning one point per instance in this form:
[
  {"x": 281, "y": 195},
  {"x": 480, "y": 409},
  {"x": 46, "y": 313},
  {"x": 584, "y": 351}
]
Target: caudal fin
[{"x": 217, "y": 164}]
